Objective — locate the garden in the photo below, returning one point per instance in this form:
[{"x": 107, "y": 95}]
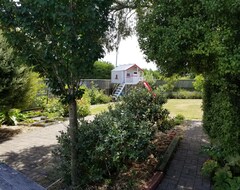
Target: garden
[
  {"x": 139, "y": 121},
  {"x": 58, "y": 42}
]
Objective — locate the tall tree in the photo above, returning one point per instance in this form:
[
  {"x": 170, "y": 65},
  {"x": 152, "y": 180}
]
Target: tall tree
[
  {"x": 101, "y": 70},
  {"x": 185, "y": 35},
  {"x": 62, "y": 40},
  {"x": 14, "y": 80},
  {"x": 200, "y": 36}
]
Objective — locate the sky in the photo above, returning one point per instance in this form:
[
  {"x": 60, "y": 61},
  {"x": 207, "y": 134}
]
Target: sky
[{"x": 128, "y": 53}]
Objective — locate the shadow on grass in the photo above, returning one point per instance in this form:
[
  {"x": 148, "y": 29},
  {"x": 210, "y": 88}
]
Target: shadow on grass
[
  {"x": 7, "y": 134},
  {"x": 37, "y": 163}
]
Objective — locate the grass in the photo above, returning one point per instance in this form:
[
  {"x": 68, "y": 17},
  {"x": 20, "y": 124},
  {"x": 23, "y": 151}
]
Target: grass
[
  {"x": 96, "y": 109},
  {"x": 189, "y": 108}
]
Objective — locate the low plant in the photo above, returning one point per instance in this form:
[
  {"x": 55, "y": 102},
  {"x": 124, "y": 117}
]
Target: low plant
[
  {"x": 97, "y": 96},
  {"x": 53, "y": 108},
  {"x": 209, "y": 168},
  {"x": 83, "y": 105},
  {"x": 179, "y": 119},
  {"x": 185, "y": 94},
  {"x": 215, "y": 152},
  {"x": 224, "y": 179},
  {"x": 224, "y": 169},
  {"x": 12, "y": 117},
  {"x": 199, "y": 82}
]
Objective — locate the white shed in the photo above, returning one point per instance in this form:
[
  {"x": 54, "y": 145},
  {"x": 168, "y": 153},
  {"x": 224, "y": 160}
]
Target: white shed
[{"x": 127, "y": 74}]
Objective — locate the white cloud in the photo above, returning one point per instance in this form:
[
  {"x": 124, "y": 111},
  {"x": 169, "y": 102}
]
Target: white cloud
[{"x": 129, "y": 52}]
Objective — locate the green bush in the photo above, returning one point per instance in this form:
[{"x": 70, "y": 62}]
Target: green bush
[
  {"x": 169, "y": 84},
  {"x": 199, "y": 82},
  {"x": 223, "y": 169},
  {"x": 209, "y": 168},
  {"x": 83, "y": 105},
  {"x": 53, "y": 108},
  {"x": 12, "y": 117},
  {"x": 33, "y": 86},
  {"x": 114, "y": 139},
  {"x": 224, "y": 179},
  {"x": 97, "y": 96},
  {"x": 101, "y": 70},
  {"x": 185, "y": 94},
  {"x": 179, "y": 119},
  {"x": 221, "y": 114},
  {"x": 42, "y": 95}
]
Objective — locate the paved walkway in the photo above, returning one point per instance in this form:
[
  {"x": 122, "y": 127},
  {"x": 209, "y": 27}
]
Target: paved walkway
[
  {"x": 31, "y": 152},
  {"x": 184, "y": 170}
]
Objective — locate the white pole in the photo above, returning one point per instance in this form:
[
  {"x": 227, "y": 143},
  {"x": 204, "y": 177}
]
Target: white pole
[{"x": 116, "y": 56}]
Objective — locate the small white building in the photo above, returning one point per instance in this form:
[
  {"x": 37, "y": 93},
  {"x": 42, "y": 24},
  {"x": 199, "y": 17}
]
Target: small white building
[{"x": 127, "y": 74}]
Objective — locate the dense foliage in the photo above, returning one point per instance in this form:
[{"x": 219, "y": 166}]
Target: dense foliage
[
  {"x": 224, "y": 169},
  {"x": 222, "y": 114},
  {"x": 200, "y": 36},
  {"x": 97, "y": 95},
  {"x": 198, "y": 83},
  {"x": 18, "y": 84},
  {"x": 101, "y": 70},
  {"x": 62, "y": 39},
  {"x": 115, "y": 139}
]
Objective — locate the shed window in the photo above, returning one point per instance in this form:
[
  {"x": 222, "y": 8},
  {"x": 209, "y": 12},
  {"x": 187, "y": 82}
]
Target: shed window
[
  {"x": 135, "y": 73},
  {"x": 116, "y": 77},
  {"x": 128, "y": 74}
]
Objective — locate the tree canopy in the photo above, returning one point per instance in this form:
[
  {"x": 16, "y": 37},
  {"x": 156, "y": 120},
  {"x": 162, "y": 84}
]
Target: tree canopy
[
  {"x": 101, "y": 70},
  {"x": 62, "y": 39},
  {"x": 183, "y": 35},
  {"x": 201, "y": 36}
]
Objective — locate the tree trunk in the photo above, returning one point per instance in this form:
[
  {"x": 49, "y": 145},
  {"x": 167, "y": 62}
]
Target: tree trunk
[{"x": 73, "y": 124}]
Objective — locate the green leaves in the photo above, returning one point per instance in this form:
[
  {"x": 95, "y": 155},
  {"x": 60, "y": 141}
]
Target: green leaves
[
  {"x": 61, "y": 39},
  {"x": 115, "y": 139},
  {"x": 183, "y": 36}
]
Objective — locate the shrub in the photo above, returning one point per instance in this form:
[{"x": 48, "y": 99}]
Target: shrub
[
  {"x": 221, "y": 114},
  {"x": 199, "y": 82},
  {"x": 97, "y": 96},
  {"x": 114, "y": 139},
  {"x": 105, "y": 146},
  {"x": 101, "y": 70},
  {"x": 11, "y": 117},
  {"x": 169, "y": 83},
  {"x": 83, "y": 105},
  {"x": 185, "y": 94},
  {"x": 33, "y": 86},
  {"x": 224, "y": 179},
  {"x": 53, "y": 108},
  {"x": 209, "y": 168},
  {"x": 224, "y": 169},
  {"x": 42, "y": 95},
  {"x": 179, "y": 119}
]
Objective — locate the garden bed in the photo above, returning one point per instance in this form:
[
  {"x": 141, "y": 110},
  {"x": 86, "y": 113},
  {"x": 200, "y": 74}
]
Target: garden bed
[{"x": 147, "y": 175}]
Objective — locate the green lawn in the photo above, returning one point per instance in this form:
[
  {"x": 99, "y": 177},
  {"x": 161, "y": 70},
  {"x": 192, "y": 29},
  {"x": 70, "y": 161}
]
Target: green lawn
[
  {"x": 189, "y": 108},
  {"x": 96, "y": 109}
]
